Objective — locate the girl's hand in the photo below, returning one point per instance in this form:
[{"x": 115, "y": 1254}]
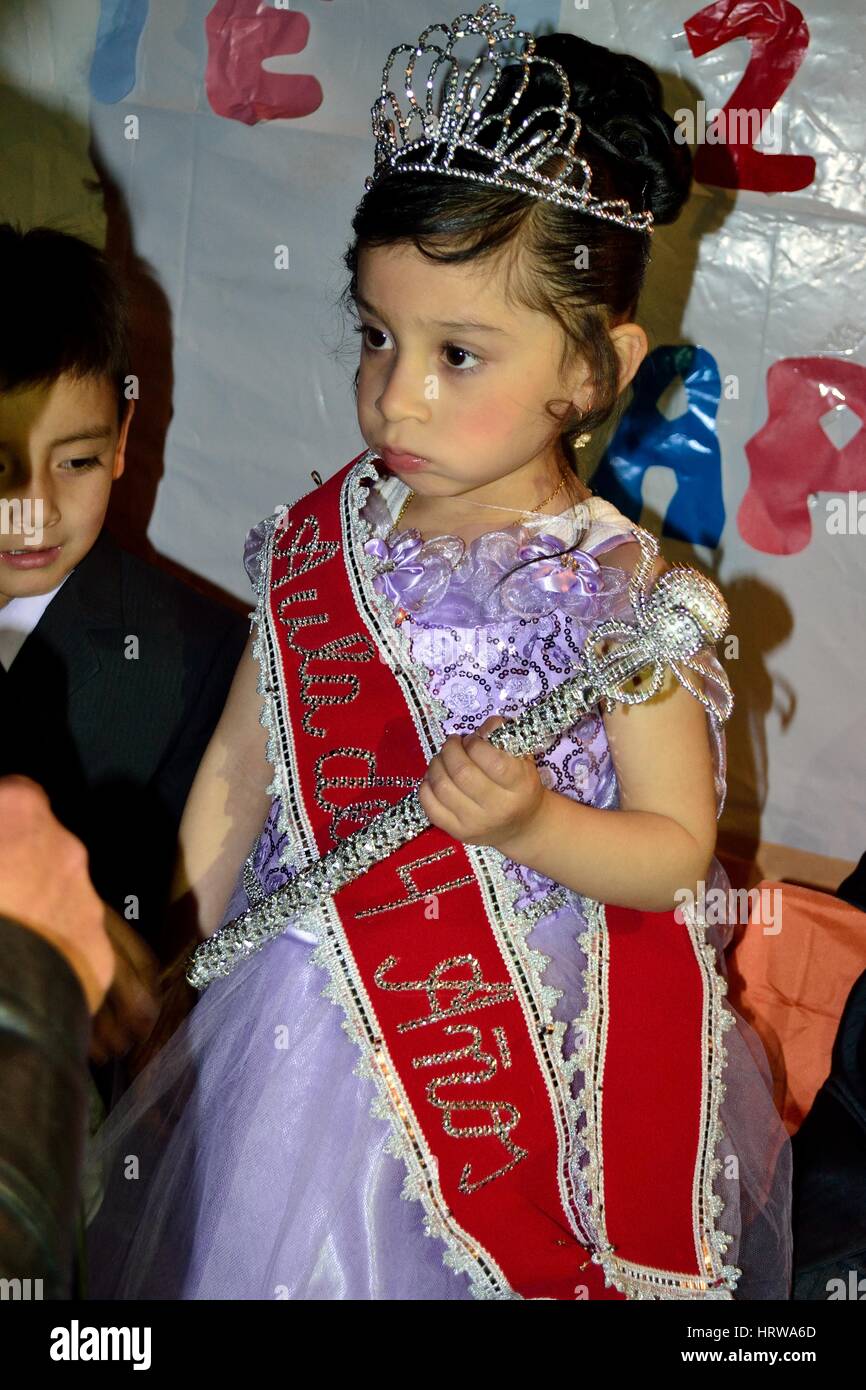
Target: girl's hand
[{"x": 480, "y": 794}]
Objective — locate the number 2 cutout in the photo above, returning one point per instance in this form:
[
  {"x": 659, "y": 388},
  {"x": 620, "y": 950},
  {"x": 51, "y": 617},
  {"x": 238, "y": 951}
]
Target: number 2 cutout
[{"x": 779, "y": 36}]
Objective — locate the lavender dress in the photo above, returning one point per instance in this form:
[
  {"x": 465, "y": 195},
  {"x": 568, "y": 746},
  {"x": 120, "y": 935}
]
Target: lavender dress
[{"x": 250, "y": 1159}]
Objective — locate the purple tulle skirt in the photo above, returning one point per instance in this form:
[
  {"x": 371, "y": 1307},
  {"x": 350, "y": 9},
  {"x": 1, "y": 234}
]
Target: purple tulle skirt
[{"x": 245, "y": 1161}]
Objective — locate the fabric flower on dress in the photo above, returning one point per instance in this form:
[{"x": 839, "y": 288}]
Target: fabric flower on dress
[
  {"x": 552, "y": 576},
  {"x": 486, "y": 580},
  {"x": 412, "y": 580}
]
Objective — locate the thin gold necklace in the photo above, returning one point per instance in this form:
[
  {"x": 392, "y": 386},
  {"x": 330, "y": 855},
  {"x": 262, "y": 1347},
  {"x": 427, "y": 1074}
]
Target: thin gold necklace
[{"x": 560, "y": 485}]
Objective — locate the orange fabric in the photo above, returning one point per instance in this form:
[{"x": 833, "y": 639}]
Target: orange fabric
[{"x": 791, "y": 985}]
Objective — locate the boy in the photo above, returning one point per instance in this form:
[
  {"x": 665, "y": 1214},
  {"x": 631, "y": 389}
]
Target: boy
[{"x": 112, "y": 673}]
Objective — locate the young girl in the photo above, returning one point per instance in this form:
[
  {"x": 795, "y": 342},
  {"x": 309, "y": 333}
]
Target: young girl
[{"x": 492, "y": 1065}]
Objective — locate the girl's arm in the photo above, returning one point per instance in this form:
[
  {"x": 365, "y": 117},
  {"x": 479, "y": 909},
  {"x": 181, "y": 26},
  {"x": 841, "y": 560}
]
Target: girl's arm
[
  {"x": 663, "y": 835},
  {"x": 225, "y": 809}
]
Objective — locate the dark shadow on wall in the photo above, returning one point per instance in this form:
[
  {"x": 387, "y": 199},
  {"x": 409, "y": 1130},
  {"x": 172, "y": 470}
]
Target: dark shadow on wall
[{"x": 133, "y": 496}]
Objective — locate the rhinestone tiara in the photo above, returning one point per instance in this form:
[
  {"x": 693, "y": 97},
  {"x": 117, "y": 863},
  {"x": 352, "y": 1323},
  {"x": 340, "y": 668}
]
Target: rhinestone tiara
[{"x": 464, "y": 92}]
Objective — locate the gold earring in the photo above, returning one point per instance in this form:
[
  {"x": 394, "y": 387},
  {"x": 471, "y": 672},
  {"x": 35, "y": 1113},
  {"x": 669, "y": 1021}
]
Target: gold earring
[{"x": 582, "y": 440}]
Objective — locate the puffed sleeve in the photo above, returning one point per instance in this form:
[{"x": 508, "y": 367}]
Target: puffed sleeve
[
  {"x": 718, "y": 703},
  {"x": 702, "y": 674},
  {"x": 252, "y": 550}
]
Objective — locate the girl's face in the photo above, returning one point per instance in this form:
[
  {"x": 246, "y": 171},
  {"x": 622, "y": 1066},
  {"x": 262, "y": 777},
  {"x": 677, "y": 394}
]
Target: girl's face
[{"x": 453, "y": 373}]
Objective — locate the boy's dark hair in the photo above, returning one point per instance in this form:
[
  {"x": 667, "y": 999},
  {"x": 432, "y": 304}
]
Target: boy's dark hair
[{"x": 64, "y": 310}]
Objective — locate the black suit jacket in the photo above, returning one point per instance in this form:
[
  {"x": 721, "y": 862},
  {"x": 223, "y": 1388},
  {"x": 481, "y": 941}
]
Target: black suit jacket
[
  {"x": 829, "y": 1182},
  {"x": 110, "y": 704}
]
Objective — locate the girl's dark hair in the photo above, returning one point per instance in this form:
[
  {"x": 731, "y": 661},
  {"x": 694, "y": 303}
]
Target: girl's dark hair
[
  {"x": 629, "y": 141},
  {"x": 64, "y": 310}
]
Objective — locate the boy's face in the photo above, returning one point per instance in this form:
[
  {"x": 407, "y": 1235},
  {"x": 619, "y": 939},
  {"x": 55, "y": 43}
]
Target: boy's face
[{"x": 60, "y": 450}]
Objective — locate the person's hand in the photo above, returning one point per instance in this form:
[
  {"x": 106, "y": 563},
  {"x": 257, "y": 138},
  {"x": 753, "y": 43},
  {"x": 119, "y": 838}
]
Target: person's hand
[
  {"x": 45, "y": 885},
  {"x": 132, "y": 1005},
  {"x": 479, "y": 793}
]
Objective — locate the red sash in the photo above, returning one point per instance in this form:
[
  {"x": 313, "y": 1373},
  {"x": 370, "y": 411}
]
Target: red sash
[{"x": 443, "y": 995}]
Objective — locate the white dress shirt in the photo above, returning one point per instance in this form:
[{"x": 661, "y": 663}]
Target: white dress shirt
[{"x": 18, "y": 619}]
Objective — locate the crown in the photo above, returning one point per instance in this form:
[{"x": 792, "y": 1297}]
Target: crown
[{"x": 460, "y": 120}]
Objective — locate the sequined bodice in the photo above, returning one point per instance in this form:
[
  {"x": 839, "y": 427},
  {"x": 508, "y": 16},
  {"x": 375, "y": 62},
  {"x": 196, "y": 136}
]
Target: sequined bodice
[
  {"x": 500, "y": 668},
  {"x": 493, "y": 650}
]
